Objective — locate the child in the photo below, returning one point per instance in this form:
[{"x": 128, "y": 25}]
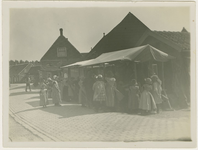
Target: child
[
  {"x": 99, "y": 93},
  {"x": 147, "y": 103},
  {"x": 133, "y": 93},
  {"x": 43, "y": 96}
]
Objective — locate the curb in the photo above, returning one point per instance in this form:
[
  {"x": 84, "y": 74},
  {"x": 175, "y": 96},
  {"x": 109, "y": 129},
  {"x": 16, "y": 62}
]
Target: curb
[{"x": 36, "y": 131}]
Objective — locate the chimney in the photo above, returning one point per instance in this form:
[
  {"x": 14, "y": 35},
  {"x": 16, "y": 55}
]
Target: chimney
[
  {"x": 103, "y": 34},
  {"x": 61, "y": 32}
]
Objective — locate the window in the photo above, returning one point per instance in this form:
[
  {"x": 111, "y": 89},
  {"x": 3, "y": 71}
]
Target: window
[{"x": 61, "y": 52}]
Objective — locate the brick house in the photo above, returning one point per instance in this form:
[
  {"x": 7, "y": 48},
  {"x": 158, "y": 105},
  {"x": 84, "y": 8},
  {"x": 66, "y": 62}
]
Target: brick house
[{"x": 61, "y": 53}]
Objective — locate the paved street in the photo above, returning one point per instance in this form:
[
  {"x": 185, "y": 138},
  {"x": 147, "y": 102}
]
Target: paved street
[
  {"x": 19, "y": 133},
  {"x": 71, "y": 122}
]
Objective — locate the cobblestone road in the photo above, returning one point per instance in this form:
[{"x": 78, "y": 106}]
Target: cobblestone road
[{"x": 71, "y": 122}]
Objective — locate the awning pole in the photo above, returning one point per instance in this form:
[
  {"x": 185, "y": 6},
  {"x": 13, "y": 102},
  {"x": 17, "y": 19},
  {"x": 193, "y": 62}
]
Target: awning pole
[{"x": 135, "y": 71}]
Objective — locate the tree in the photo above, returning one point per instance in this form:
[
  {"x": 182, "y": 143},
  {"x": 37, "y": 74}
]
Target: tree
[
  {"x": 21, "y": 62},
  {"x": 11, "y": 62},
  {"x": 16, "y": 62},
  {"x": 37, "y": 62}
]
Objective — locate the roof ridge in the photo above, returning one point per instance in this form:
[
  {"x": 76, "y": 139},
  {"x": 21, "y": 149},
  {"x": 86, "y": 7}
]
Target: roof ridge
[{"x": 170, "y": 31}]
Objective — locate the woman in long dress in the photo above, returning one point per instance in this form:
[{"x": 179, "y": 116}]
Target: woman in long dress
[
  {"x": 157, "y": 91},
  {"x": 99, "y": 96},
  {"x": 43, "y": 95},
  {"x": 110, "y": 90},
  {"x": 147, "y": 103},
  {"x": 56, "y": 96},
  {"x": 133, "y": 94}
]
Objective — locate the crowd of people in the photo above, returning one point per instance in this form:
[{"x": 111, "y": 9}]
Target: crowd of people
[
  {"x": 50, "y": 89},
  {"x": 104, "y": 93}
]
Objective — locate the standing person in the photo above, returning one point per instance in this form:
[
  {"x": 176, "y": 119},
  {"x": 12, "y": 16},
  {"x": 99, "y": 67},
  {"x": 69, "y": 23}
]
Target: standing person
[
  {"x": 157, "y": 91},
  {"x": 88, "y": 82},
  {"x": 28, "y": 81},
  {"x": 71, "y": 89},
  {"x": 147, "y": 103},
  {"x": 76, "y": 89},
  {"x": 99, "y": 93},
  {"x": 133, "y": 95},
  {"x": 49, "y": 87},
  {"x": 110, "y": 90},
  {"x": 43, "y": 95},
  {"x": 82, "y": 92},
  {"x": 56, "y": 97}
]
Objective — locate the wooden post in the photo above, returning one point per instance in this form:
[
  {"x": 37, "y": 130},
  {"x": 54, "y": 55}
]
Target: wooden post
[
  {"x": 163, "y": 84},
  {"x": 135, "y": 70}
]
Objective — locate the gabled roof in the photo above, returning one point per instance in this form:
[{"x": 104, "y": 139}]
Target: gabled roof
[
  {"x": 51, "y": 54},
  {"x": 181, "y": 39},
  {"x": 16, "y": 69},
  {"x": 184, "y": 30},
  {"x": 124, "y": 35},
  {"x": 84, "y": 54}
]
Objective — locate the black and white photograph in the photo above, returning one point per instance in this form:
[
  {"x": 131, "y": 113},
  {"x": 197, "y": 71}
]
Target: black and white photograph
[{"x": 99, "y": 72}]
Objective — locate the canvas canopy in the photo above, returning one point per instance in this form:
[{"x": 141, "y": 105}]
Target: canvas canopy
[
  {"x": 139, "y": 54},
  {"x": 80, "y": 63}
]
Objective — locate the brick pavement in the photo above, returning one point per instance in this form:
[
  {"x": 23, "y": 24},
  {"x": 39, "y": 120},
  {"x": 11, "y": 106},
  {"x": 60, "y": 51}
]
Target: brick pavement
[
  {"x": 19, "y": 133},
  {"x": 71, "y": 122}
]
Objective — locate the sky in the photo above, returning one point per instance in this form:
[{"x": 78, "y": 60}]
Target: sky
[{"x": 34, "y": 30}]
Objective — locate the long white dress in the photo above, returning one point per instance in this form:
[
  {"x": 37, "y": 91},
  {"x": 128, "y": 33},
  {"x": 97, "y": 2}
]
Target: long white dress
[{"x": 146, "y": 99}]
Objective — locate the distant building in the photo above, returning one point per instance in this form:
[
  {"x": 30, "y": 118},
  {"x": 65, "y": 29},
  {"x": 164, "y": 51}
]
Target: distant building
[
  {"x": 18, "y": 72},
  {"x": 61, "y": 53}
]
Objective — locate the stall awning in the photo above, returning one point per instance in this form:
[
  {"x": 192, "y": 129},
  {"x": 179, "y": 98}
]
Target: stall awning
[
  {"x": 139, "y": 54},
  {"x": 80, "y": 63}
]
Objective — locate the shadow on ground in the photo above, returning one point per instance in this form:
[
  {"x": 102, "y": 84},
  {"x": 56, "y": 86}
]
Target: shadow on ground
[
  {"x": 22, "y": 86},
  {"x": 34, "y": 97},
  {"x": 17, "y": 87},
  {"x": 67, "y": 110},
  {"x": 21, "y": 93}
]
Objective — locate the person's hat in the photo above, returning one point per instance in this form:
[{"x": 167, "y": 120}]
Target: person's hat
[
  {"x": 99, "y": 76},
  {"x": 154, "y": 77},
  {"x": 148, "y": 81},
  {"x": 49, "y": 79}
]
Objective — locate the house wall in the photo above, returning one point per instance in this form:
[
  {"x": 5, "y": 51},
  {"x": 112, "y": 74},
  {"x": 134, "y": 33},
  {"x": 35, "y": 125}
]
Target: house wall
[{"x": 177, "y": 79}]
